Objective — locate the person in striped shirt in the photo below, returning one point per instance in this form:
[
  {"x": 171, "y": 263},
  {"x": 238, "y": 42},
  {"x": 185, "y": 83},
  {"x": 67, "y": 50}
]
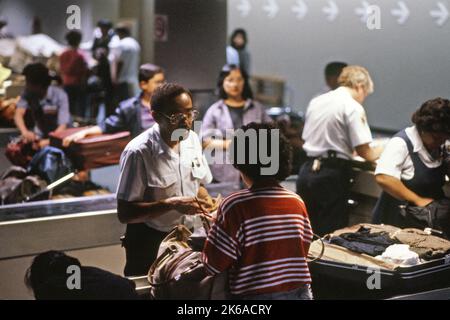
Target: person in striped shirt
[{"x": 262, "y": 234}]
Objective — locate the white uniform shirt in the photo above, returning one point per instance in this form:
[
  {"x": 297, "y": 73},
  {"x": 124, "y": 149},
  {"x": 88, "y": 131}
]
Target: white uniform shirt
[
  {"x": 128, "y": 51},
  {"x": 395, "y": 160},
  {"x": 151, "y": 171},
  {"x": 335, "y": 121}
]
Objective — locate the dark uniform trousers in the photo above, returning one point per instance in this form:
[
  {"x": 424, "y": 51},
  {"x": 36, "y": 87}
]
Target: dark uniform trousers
[
  {"x": 141, "y": 247},
  {"x": 325, "y": 194}
]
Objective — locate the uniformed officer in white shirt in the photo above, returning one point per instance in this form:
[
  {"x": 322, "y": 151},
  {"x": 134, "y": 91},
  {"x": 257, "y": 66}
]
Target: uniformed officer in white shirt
[
  {"x": 335, "y": 126},
  {"x": 412, "y": 167},
  {"x": 161, "y": 173}
]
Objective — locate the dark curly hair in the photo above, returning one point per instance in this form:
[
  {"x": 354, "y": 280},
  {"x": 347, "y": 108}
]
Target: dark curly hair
[
  {"x": 433, "y": 116},
  {"x": 225, "y": 72},
  {"x": 163, "y": 99},
  {"x": 253, "y": 170}
]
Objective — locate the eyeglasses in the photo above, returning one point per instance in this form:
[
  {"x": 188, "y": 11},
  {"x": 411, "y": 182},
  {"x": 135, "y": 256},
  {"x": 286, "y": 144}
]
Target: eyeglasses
[{"x": 178, "y": 117}]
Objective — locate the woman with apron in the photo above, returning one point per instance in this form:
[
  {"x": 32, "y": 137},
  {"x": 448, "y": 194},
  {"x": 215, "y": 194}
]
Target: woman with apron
[{"x": 412, "y": 167}]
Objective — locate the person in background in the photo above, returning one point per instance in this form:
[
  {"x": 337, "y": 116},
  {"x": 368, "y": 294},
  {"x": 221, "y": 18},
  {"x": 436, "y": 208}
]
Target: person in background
[
  {"x": 262, "y": 234},
  {"x": 412, "y": 167},
  {"x": 42, "y": 107},
  {"x": 237, "y": 52},
  {"x": 235, "y": 108},
  {"x": 161, "y": 171},
  {"x": 335, "y": 126},
  {"x": 104, "y": 36},
  {"x": 105, "y": 39},
  {"x": 332, "y": 72},
  {"x": 74, "y": 72},
  {"x": 127, "y": 56},
  {"x": 135, "y": 114},
  {"x": 48, "y": 277},
  {"x": 4, "y": 33}
]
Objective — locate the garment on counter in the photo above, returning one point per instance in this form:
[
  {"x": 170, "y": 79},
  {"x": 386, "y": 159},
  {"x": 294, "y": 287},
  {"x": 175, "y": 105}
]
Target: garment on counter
[
  {"x": 373, "y": 228},
  {"x": 262, "y": 237},
  {"x": 131, "y": 115},
  {"x": 363, "y": 241},
  {"x": 400, "y": 254},
  {"x": 428, "y": 247},
  {"x": 340, "y": 254},
  {"x": 48, "y": 113},
  {"x": 427, "y": 181},
  {"x": 216, "y": 122}
]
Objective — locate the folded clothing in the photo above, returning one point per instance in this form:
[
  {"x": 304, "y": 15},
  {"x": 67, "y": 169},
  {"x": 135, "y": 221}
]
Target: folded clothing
[
  {"x": 400, "y": 254},
  {"x": 364, "y": 241},
  {"x": 427, "y": 246}
]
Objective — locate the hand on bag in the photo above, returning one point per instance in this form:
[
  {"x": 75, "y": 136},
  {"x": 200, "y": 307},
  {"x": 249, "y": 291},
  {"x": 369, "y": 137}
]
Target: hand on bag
[
  {"x": 43, "y": 143},
  {"x": 73, "y": 138},
  {"x": 185, "y": 205},
  {"x": 29, "y": 136},
  {"x": 423, "y": 202}
]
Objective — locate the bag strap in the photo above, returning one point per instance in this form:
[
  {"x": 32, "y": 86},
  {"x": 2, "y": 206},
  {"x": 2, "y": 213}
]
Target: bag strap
[{"x": 160, "y": 262}]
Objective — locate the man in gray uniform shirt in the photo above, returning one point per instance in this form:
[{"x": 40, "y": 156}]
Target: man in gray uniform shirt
[{"x": 161, "y": 173}]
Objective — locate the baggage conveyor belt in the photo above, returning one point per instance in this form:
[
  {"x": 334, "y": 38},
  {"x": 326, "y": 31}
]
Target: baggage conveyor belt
[
  {"x": 65, "y": 224},
  {"x": 49, "y": 208}
]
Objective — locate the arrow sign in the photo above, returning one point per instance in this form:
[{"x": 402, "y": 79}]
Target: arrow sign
[
  {"x": 402, "y": 12},
  {"x": 300, "y": 9},
  {"x": 363, "y": 12},
  {"x": 244, "y": 8},
  {"x": 441, "y": 14},
  {"x": 271, "y": 8},
  {"x": 331, "y": 11}
]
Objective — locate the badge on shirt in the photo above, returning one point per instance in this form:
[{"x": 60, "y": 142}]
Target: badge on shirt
[{"x": 364, "y": 119}]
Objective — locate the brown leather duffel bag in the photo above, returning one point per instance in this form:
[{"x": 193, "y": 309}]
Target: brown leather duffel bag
[{"x": 92, "y": 151}]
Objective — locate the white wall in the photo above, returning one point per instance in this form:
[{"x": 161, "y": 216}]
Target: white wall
[{"x": 409, "y": 63}]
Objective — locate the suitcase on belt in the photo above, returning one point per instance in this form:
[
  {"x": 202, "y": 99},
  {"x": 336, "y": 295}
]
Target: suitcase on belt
[
  {"x": 92, "y": 151},
  {"x": 333, "y": 279}
]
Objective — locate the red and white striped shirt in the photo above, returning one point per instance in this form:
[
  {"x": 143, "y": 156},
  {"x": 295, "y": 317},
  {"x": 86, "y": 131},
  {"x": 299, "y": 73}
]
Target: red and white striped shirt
[{"x": 262, "y": 238}]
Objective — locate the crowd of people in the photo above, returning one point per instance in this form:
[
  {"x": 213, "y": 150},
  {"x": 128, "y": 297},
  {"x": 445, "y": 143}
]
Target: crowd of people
[{"x": 261, "y": 232}]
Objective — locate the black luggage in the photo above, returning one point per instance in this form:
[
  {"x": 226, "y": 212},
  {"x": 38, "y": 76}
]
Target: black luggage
[{"x": 362, "y": 277}]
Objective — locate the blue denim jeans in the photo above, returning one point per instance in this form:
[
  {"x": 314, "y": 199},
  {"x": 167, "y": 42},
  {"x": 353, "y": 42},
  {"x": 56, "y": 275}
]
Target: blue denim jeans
[{"x": 302, "y": 293}]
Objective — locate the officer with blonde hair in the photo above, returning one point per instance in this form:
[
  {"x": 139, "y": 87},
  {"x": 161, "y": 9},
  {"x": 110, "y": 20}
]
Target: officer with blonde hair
[{"x": 335, "y": 127}]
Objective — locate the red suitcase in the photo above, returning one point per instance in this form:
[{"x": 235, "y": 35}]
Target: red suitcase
[{"x": 92, "y": 151}]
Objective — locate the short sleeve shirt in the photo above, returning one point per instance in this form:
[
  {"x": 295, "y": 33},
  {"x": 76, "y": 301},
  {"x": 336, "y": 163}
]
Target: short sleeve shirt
[
  {"x": 395, "y": 161},
  {"x": 336, "y": 122},
  {"x": 55, "y": 102},
  {"x": 151, "y": 171}
]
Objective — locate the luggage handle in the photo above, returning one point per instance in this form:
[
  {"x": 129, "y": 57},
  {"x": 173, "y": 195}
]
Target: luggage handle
[
  {"x": 50, "y": 187},
  {"x": 322, "y": 251}
]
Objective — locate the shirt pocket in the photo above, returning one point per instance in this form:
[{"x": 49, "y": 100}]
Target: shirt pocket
[
  {"x": 162, "y": 187},
  {"x": 198, "y": 168}
]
